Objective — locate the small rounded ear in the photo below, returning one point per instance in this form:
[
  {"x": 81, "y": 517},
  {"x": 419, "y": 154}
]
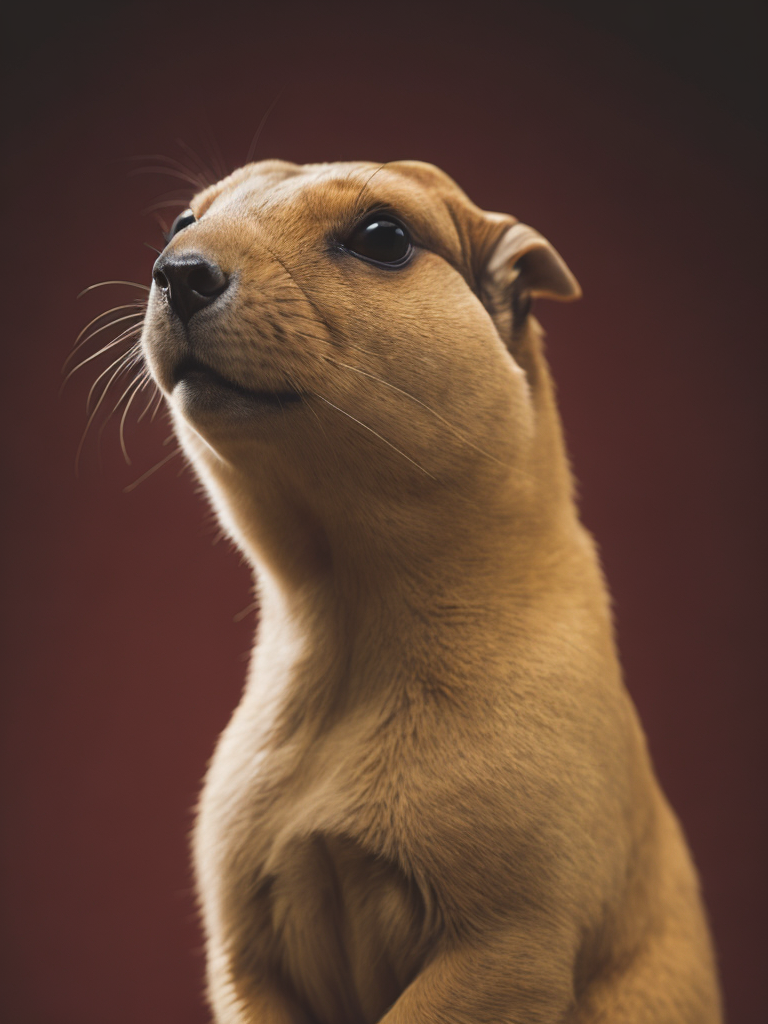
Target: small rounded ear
[{"x": 526, "y": 259}]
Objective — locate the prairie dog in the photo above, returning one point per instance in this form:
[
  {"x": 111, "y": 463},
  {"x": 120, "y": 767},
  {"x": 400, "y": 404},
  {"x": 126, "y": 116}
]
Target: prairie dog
[{"x": 434, "y": 802}]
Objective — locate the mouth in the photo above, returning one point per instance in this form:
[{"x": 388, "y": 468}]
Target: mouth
[{"x": 203, "y": 382}]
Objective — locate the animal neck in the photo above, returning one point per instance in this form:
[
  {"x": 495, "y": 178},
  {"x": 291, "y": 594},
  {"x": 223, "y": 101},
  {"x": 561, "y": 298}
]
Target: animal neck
[
  {"x": 394, "y": 573},
  {"x": 371, "y": 597}
]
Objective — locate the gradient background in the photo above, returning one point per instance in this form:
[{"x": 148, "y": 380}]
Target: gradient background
[{"x": 629, "y": 137}]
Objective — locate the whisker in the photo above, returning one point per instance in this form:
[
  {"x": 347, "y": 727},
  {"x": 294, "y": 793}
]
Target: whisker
[
  {"x": 102, "y": 284},
  {"x": 152, "y": 397},
  {"x": 137, "y": 386},
  {"x": 134, "y": 382},
  {"x": 331, "y": 446},
  {"x": 171, "y": 193},
  {"x": 214, "y": 150},
  {"x": 170, "y": 172},
  {"x": 119, "y": 320},
  {"x": 208, "y": 175},
  {"x": 129, "y": 332},
  {"x": 255, "y": 139},
  {"x": 298, "y": 284},
  {"x": 157, "y": 408},
  {"x": 252, "y": 607},
  {"x": 164, "y": 203},
  {"x": 359, "y": 348},
  {"x": 386, "y": 383},
  {"x": 76, "y": 346},
  {"x": 138, "y": 379},
  {"x": 122, "y": 362},
  {"x": 366, "y": 427},
  {"x": 192, "y": 175},
  {"x": 368, "y": 182},
  {"x": 162, "y": 224},
  {"x": 120, "y": 369},
  {"x": 154, "y": 469}
]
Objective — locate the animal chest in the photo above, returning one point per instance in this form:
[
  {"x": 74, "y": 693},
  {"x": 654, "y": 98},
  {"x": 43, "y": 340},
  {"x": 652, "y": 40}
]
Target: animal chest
[{"x": 308, "y": 897}]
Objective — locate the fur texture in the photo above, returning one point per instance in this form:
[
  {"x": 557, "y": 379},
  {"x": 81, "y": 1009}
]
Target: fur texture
[{"x": 434, "y": 802}]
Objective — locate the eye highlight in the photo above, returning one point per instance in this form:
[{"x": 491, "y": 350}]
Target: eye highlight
[
  {"x": 382, "y": 239},
  {"x": 183, "y": 220}
]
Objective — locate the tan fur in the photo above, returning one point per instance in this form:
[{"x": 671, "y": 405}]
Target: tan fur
[{"x": 434, "y": 802}]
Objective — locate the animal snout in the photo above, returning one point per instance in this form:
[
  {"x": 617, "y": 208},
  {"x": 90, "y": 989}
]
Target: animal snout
[{"x": 189, "y": 282}]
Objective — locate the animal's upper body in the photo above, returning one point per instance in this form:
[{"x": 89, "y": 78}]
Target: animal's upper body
[{"x": 434, "y": 802}]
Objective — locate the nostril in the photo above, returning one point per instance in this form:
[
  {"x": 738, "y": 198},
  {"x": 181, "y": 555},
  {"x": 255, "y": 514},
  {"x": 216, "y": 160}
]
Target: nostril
[
  {"x": 188, "y": 282},
  {"x": 207, "y": 279},
  {"x": 160, "y": 279}
]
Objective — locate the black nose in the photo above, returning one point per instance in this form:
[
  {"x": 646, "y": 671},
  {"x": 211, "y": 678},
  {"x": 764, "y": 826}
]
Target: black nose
[{"x": 189, "y": 282}]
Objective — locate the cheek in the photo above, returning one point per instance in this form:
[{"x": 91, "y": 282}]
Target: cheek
[{"x": 438, "y": 383}]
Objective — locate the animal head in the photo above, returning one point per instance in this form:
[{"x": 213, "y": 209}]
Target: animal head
[{"x": 348, "y": 327}]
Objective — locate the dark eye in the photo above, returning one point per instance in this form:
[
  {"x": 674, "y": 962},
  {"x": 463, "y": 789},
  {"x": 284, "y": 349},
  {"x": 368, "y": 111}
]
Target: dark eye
[
  {"x": 382, "y": 239},
  {"x": 182, "y": 221}
]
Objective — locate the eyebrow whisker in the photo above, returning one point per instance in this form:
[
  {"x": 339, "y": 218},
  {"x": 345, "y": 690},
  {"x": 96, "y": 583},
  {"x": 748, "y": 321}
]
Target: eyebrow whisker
[
  {"x": 171, "y": 173},
  {"x": 208, "y": 174},
  {"x": 189, "y": 174},
  {"x": 260, "y": 129},
  {"x": 381, "y": 167}
]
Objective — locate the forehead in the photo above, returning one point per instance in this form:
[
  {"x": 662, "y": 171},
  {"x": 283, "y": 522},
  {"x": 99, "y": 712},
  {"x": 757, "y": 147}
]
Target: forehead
[
  {"x": 300, "y": 204},
  {"x": 331, "y": 194}
]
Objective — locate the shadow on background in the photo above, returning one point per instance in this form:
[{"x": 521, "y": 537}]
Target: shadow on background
[{"x": 627, "y": 134}]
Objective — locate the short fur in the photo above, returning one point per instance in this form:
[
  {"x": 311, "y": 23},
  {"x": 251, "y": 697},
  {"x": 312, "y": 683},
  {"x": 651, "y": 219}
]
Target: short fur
[{"x": 434, "y": 802}]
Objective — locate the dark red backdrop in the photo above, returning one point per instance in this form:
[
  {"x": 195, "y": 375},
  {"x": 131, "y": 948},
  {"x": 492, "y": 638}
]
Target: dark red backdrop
[{"x": 124, "y": 656}]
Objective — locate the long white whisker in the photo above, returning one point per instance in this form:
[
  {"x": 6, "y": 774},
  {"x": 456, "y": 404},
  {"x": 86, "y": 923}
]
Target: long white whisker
[
  {"x": 106, "y": 348},
  {"x": 184, "y": 171},
  {"x": 119, "y": 320},
  {"x": 386, "y": 383},
  {"x": 372, "y": 431},
  {"x": 78, "y": 343},
  {"x": 207, "y": 172},
  {"x": 137, "y": 380},
  {"x": 118, "y": 371},
  {"x": 149, "y": 472},
  {"x": 171, "y": 172},
  {"x": 168, "y": 159},
  {"x": 129, "y": 332},
  {"x": 153, "y": 395},
  {"x": 103, "y": 284},
  {"x": 122, "y": 362},
  {"x": 331, "y": 447},
  {"x": 137, "y": 385},
  {"x": 158, "y": 406},
  {"x": 214, "y": 151}
]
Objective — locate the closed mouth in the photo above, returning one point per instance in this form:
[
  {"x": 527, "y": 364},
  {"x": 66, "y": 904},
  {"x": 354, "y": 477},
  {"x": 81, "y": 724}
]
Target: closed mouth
[{"x": 192, "y": 372}]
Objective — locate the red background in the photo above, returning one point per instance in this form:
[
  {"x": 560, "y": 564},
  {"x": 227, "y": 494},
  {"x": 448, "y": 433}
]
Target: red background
[{"x": 632, "y": 146}]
